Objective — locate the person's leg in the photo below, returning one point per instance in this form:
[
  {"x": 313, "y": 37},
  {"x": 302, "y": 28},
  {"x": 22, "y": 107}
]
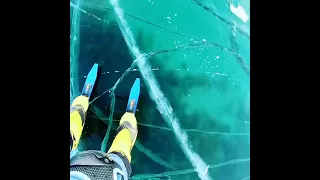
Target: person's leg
[
  {"x": 78, "y": 110},
  {"x": 126, "y": 136}
]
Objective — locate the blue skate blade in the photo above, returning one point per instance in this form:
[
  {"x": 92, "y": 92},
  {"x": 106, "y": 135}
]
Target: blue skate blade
[
  {"x": 90, "y": 81},
  {"x": 134, "y": 97}
]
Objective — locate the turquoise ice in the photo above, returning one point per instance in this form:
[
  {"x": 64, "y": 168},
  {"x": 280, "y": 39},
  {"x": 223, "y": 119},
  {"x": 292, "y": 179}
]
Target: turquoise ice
[{"x": 193, "y": 58}]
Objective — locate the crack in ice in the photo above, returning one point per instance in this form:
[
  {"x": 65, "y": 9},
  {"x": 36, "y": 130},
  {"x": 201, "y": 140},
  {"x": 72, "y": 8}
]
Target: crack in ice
[
  {"x": 235, "y": 48},
  {"x": 162, "y": 103},
  {"x": 157, "y": 96},
  {"x": 151, "y": 54},
  {"x": 187, "y": 130},
  {"x": 156, "y": 69},
  {"x": 138, "y": 145},
  {"x": 240, "y": 60},
  {"x": 74, "y": 52},
  {"x": 176, "y": 32},
  {"x": 188, "y": 171},
  {"x": 219, "y": 17},
  {"x": 90, "y": 14},
  {"x": 150, "y": 23}
]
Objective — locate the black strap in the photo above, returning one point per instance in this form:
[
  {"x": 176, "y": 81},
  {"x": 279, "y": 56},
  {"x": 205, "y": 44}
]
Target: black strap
[
  {"x": 71, "y": 142},
  {"x": 80, "y": 109},
  {"x": 124, "y": 125}
]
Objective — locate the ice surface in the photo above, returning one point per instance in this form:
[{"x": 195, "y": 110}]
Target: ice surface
[
  {"x": 74, "y": 50},
  {"x": 193, "y": 56}
]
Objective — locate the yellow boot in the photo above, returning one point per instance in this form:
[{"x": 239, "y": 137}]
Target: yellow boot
[
  {"x": 126, "y": 135},
  {"x": 78, "y": 110}
]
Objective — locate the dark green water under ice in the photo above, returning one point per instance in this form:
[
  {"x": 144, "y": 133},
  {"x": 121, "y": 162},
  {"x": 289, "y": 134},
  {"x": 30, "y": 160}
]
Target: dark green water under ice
[{"x": 194, "y": 106}]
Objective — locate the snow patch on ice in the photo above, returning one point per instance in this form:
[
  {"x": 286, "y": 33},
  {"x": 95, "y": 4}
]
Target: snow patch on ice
[{"x": 239, "y": 12}]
